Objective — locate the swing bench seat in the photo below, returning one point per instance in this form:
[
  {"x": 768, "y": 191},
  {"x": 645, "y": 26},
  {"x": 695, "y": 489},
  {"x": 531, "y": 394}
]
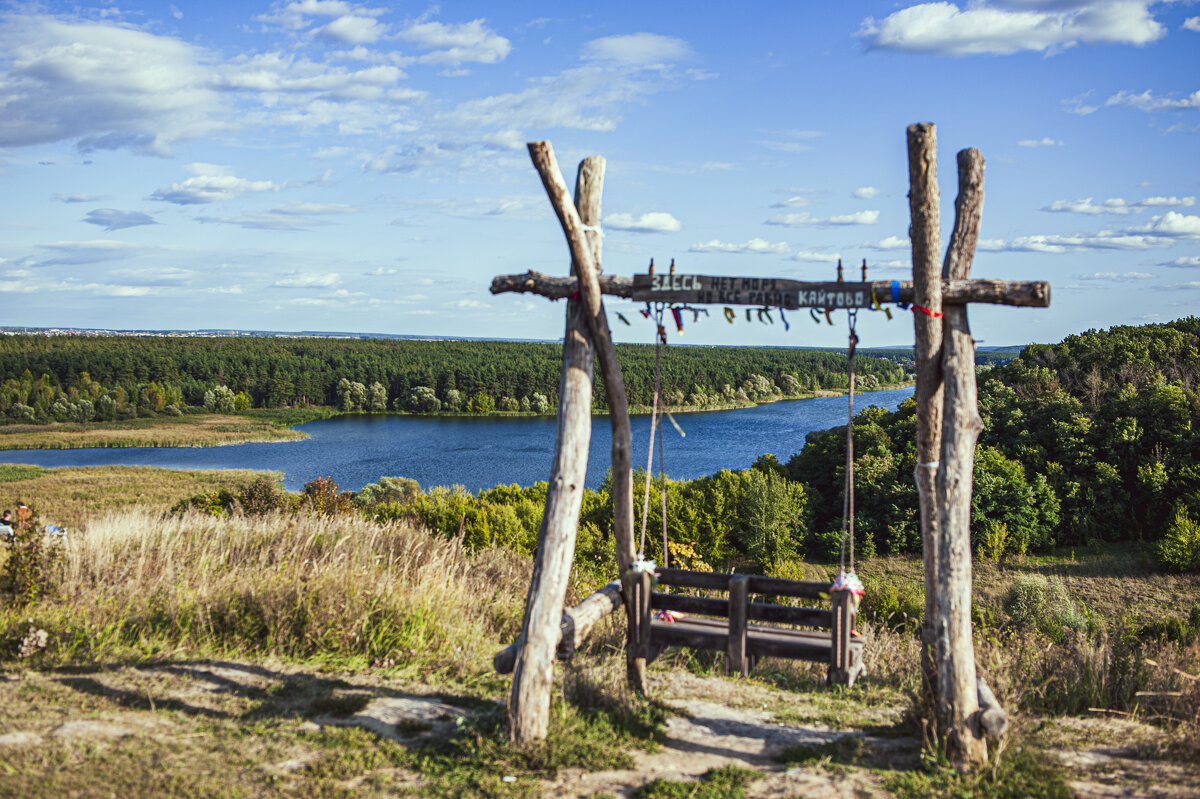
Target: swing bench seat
[{"x": 745, "y": 630}]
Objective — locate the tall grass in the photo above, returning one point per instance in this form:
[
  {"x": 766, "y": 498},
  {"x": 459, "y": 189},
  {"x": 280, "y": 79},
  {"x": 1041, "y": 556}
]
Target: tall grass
[{"x": 339, "y": 590}]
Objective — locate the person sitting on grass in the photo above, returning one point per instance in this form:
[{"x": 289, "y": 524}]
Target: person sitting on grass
[{"x": 6, "y": 522}]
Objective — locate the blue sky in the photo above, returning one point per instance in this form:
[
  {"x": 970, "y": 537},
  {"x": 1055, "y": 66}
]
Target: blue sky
[{"x": 329, "y": 165}]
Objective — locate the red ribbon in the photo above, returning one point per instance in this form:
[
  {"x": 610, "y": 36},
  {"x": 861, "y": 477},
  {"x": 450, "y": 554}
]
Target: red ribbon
[{"x": 927, "y": 312}]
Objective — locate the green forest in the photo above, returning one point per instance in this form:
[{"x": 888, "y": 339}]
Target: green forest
[
  {"x": 1094, "y": 439},
  {"x": 86, "y": 378}
]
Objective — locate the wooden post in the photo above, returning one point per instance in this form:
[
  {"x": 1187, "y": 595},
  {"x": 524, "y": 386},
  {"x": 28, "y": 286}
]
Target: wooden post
[
  {"x": 925, "y": 232},
  {"x": 573, "y": 629},
  {"x": 580, "y": 223},
  {"x": 958, "y": 696},
  {"x": 736, "y": 658},
  {"x": 533, "y": 675}
]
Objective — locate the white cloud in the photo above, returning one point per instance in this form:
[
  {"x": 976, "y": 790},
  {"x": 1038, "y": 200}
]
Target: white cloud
[
  {"x": 353, "y": 29},
  {"x": 653, "y": 222},
  {"x": 1116, "y": 206},
  {"x": 468, "y": 304},
  {"x": 756, "y": 246},
  {"x": 866, "y": 193},
  {"x": 1187, "y": 262},
  {"x": 890, "y": 243},
  {"x": 1192, "y": 24},
  {"x": 1172, "y": 224},
  {"x": 1146, "y": 101},
  {"x": 805, "y": 256},
  {"x": 1125, "y": 277},
  {"x": 382, "y": 271},
  {"x": 793, "y": 202},
  {"x": 104, "y": 86},
  {"x": 991, "y": 27},
  {"x": 77, "y": 198},
  {"x": 804, "y": 220},
  {"x": 1065, "y": 243},
  {"x": 112, "y": 219},
  {"x": 469, "y": 42},
  {"x": 308, "y": 280},
  {"x": 211, "y": 184},
  {"x": 1045, "y": 141},
  {"x": 637, "y": 50}
]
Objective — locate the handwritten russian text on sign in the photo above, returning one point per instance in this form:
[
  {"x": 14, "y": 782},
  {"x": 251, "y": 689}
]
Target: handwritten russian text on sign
[{"x": 761, "y": 291}]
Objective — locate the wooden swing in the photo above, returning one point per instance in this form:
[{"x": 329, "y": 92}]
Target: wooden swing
[
  {"x": 947, "y": 426},
  {"x": 745, "y": 630}
]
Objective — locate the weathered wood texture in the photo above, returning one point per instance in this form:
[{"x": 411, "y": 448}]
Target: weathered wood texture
[
  {"x": 786, "y": 293},
  {"x": 573, "y": 629},
  {"x": 591, "y": 172},
  {"x": 533, "y": 674},
  {"x": 733, "y": 631},
  {"x": 925, "y": 233},
  {"x": 958, "y": 695},
  {"x": 992, "y": 720}
]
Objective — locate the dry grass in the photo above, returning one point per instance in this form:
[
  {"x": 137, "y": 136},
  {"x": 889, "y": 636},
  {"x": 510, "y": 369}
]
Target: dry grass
[
  {"x": 69, "y": 496},
  {"x": 136, "y": 584},
  {"x": 198, "y": 430}
]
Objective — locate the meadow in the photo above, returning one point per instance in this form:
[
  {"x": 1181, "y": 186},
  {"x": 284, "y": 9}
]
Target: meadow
[{"x": 230, "y": 654}]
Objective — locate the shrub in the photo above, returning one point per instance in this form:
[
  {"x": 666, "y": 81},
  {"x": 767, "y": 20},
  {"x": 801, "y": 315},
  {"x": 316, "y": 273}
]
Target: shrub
[
  {"x": 389, "y": 490},
  {"x": 321, "y": 496},
  {"x": 30, "y": 564},
  {"x": 213, "y": 503},
  {"x": 1179, "y": 550},
  {"x": 1042, "y": 603},
  {"x": 262, "y": 496}
]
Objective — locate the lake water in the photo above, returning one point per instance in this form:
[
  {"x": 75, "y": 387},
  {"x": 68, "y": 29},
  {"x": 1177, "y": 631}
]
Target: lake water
[{"x": 480, "y": 453}]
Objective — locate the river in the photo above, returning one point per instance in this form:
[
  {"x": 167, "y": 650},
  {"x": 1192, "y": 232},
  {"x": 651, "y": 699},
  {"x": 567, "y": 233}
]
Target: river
[{"x": 482, "y": 452}]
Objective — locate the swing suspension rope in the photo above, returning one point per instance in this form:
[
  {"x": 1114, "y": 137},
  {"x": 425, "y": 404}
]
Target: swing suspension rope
[
  {"x": 848, "y": 493},
  {"x": 655, "y": 423}
]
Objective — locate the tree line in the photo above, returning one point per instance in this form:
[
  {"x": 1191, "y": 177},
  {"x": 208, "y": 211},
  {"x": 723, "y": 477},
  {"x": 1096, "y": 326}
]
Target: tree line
[
  {"x": 84, "y": 378},
  {"x": 1096, "y": 438}
]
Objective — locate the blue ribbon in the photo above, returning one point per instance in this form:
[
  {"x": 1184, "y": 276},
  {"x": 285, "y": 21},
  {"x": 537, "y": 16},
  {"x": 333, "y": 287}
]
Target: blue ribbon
[{"x": 896, "y": 295}]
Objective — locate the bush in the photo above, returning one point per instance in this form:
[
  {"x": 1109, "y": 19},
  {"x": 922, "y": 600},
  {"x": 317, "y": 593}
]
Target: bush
[
  {"x": 1042, "y": 603},
  {"x": 263, "y": 496},
  {"x": 389, "y": 490},
  {"x": 213, "y": 503},
  {"x": 30, "y": 564},
  {"x": 1179, "y": 550},
  {"x": 321, "y": 496}
]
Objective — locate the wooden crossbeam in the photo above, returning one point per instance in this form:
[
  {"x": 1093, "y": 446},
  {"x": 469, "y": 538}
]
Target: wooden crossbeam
[{"x": 776, "y": 292}]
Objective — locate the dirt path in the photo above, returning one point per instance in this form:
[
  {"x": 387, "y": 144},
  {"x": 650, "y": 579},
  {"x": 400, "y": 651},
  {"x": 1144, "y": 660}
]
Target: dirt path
[{"x": 224, "y": 728}]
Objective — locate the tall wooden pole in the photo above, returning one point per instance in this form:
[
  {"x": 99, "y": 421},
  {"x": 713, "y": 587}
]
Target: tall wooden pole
[
  {"x": 958, "y": 697},
  {"x": 533, "y": 675},
  {"x": 925, "y": 233}
]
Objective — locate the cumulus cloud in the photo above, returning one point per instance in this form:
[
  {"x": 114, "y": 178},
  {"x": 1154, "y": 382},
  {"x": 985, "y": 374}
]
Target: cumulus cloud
[
  {"x": 653, "y": 222},
  {"x": 1192, "y": 24},
  {"x": 890, "y": 243},
  {"x": 638, "y": 49},
  {"x": 866, "y": 192},
  {"x": 1187, "y": 262},
  {"x": 996, "y": 27},
  {"x": 103, "y": 86},
  {"x": 1117, "y": 206},
  {"x": 1066, "y": 243},
  {"x": 308, "y": 280},
  {"x": 804, "y": 220},
  {"x": 755, "y": 246},
  {"x": 352, "y": 29},
  {"x": 1045, "y": 141},
  {"x": 112, "y": 219},
  {"x": 453, "y": 45},
  {"x": 1171, "y": 225},
  {"x": 212, "y": 184}
]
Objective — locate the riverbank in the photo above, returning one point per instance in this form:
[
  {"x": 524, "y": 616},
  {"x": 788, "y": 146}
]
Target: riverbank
[{"x": 267, "y": 426}]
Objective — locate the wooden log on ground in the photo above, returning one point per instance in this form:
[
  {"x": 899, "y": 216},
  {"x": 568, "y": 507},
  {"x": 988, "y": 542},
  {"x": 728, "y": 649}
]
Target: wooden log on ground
[
  {"x": 580, "y": 222},
  {"x": 1025, "y": 294},
  {"x": 925, "y": 232},
  {"x": 573, "y": 630},
  {"x": 958, "y": 696},
  {"x": 992, "y": 721},
  {"x": 533, "y": 673}
]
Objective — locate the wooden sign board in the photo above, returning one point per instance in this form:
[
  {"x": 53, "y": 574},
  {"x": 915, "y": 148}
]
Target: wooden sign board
[{"x": 761, "y": 291}]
